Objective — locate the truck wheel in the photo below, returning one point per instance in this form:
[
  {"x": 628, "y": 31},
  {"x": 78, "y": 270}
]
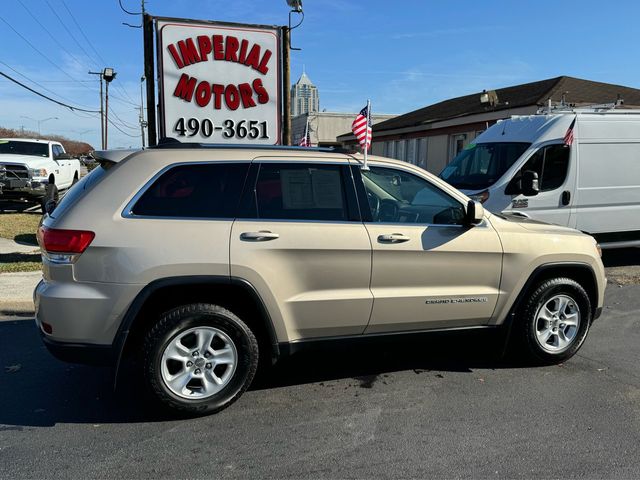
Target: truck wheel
[
  {"x": 75, "y": 178},
  {"x": 199, "y": 358},
  {"x": 554, "y": 321},
  {"x": 50, "y": 194}
]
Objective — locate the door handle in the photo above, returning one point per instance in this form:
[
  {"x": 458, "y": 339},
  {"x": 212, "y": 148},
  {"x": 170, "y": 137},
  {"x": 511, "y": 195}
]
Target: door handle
[
  {"x": 566, "y": 197},
  {"x": 261, "y": 236},
  {"x": 393, "y": 238}
]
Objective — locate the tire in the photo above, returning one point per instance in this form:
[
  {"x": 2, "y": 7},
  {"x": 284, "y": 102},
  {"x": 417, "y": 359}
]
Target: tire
[
  {"x": 75, "y": 179},
  {"x": 181, "y": 375},
  {"x": 563, "y": 302},
  {"x": 50, "y": 194}
]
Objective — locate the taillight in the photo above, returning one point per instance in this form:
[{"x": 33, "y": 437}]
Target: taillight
[{"x": 63, "y": 246}]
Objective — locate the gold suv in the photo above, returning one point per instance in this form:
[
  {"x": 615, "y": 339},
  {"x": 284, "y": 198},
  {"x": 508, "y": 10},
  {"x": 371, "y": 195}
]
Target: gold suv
[{"x": 201, "y": 260}]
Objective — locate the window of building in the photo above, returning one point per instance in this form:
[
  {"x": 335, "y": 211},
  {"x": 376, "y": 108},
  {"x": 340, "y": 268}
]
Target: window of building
[
  {"x": 411, "y": 151},
  {"x": 401, "y": 149},
  {"x": 389, "y": 150},
  {"x": 421, "y": 153},
  {"x": 194, "y": 191},
  {"x": 301, "y": 192}
]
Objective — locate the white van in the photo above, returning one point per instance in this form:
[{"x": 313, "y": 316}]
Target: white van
[{"x": 529, "y": 166}]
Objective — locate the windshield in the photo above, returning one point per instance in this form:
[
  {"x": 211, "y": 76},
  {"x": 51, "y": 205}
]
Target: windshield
[
  {"x": 481, "y": 165},
  {"x": 24, "y": 148}
]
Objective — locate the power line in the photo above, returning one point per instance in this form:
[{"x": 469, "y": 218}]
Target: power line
[
  {"x": 73, "y": 18},
  {"x": 124, "y": 124},
  {"x": 42, "y": 54},
  {"x": 68, "y": 31},
  {"x": 48, "y": 32},
  {"x": 72, "y": 108},
  {"x": 127, "y": 11},
  {"x": 122, "y": 131},
  {"x": 36, "y": 83},
  {"x": 82, "y": 33}
]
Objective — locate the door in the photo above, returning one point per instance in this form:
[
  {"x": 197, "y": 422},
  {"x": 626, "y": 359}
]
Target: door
[
  {"x": 556, "y": 180},
  {"x": 429, "y": 270},
  {"x": 301, "y": 243},
  {"x": 63, "y": 168}
]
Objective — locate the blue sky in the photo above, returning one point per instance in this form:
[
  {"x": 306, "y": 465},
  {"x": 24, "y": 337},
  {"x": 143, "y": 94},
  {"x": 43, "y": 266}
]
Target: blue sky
[{"x": 401, "y": 55}]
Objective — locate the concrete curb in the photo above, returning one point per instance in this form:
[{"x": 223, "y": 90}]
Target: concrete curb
[
  {"x": 16, "y": 292},
  {"x": 9, "y": 246},
  {"x": 17, "y": 309}
]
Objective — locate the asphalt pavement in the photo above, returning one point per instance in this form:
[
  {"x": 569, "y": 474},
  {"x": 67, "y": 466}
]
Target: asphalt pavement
[{"x": 432, "y": 406}]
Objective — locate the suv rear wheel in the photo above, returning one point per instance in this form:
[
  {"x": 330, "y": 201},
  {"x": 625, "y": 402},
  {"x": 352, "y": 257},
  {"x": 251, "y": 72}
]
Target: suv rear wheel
[
  {"x": 199, "y": 358},
  {"x": 554, "y": 321}
]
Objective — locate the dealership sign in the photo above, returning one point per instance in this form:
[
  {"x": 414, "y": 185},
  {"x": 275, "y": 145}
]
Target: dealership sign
[{"x": 219, "y": 83}]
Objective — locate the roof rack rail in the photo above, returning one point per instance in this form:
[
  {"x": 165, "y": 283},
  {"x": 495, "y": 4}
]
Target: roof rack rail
[{"x": 171, "y": 143}]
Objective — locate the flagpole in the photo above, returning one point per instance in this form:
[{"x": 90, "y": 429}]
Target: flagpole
[{"x": 366, "y": 136}]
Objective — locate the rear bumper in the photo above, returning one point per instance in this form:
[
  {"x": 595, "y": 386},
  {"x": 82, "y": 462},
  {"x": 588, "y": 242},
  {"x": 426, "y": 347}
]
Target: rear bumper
[
  {"x": 102, "y": 355},
  {"x": 78, "y": 321}
]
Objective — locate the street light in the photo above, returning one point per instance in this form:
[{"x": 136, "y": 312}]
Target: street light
[
  {"x": 107, "y": 74},
  {"x": 39, "y": 122}
]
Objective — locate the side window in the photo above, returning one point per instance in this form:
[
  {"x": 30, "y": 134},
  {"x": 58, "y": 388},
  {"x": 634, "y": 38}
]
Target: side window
[
  {"x": 194, "y": 191},
  {"x": 399, "y": 197},
  {"x": 301, "y": 192},
  {"x": 551, "y": 164},
  {"x": 56, "y": 150}
]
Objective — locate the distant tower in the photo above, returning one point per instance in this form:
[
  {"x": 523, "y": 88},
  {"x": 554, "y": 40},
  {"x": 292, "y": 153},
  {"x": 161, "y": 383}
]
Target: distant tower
[{"x": 304, "y": 96}]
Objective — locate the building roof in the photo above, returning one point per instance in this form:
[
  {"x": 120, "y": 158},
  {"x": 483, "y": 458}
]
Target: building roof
[
  {"x": 576, "y": 91},
  {"x": 304, "y": 80}
]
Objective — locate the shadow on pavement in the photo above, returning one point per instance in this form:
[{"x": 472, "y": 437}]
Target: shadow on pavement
[{"x": 38, "y": 390}]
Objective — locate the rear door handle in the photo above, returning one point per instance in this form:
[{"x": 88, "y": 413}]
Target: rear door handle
[
  {"x": 566, "y": 197},
  {"x": 393, "y": 238},
  {"x": 261, "y": 236}
]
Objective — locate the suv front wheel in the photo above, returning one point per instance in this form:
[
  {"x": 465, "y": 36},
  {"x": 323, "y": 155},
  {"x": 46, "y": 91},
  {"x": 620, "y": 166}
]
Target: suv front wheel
[
  {"x": 555, "y": 320},
  {"x": 199, "y": 358}
]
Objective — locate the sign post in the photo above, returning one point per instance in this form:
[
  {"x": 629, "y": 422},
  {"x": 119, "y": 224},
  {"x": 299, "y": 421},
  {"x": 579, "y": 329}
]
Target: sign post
[
  {"x": 220, "y": 82},
  {"x": 150, "y": 75}
]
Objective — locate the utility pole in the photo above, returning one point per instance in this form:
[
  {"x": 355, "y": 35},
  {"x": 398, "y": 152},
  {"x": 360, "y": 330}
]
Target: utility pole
[
  {"x": 101, "y": 111},
  {"x": 141, "y": 117},
  {"x": 107, "y": 74},
  {"x": 146, "y": 37}
]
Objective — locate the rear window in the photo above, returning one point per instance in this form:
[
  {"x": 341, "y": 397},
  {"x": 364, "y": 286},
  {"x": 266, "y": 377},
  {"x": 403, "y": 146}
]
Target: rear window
[
  {"x": 78, "y": 190},
  {"x": 194, "y": 191}
]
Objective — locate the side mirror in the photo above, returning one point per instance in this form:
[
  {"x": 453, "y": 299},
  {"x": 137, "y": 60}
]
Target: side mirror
[
  {"x": 530, "y": 183},
  {"x": 475, "y": 213}
]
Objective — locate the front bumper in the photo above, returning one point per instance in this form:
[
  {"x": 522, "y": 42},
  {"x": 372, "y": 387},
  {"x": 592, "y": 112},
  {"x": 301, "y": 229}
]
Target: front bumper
[{"x": 16, "y": 188}]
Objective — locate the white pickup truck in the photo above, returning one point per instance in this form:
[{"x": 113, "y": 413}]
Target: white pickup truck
[{"x": 35, "y": 170}]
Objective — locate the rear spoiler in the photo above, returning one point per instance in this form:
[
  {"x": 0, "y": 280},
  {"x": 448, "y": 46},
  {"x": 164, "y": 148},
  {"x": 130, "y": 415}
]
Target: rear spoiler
[{"x": 107, "y": 158}]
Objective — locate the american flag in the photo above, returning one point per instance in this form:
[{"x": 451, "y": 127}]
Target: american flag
[
  {"x": 568, "y": 137},
  {"x": 306, "y": 140},
  {"x": 361, "y": 128}
]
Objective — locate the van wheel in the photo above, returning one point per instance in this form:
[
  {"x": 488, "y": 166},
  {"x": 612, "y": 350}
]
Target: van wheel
[
  {"x": 554, "y": 321},
  {"x": 199, "y": 358}
]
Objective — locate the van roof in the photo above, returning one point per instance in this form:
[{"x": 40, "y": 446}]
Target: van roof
[{"x": 527, "y": 129}]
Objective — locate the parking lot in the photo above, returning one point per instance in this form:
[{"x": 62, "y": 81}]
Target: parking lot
[{"x": 432, "y": 406}]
